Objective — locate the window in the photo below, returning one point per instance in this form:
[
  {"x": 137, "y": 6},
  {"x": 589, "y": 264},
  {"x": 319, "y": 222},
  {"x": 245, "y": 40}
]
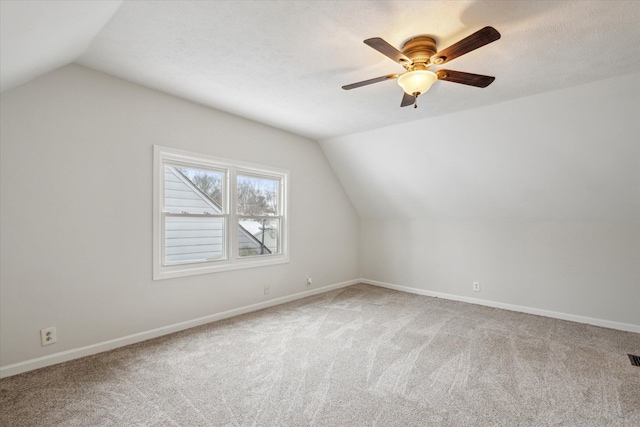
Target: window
[{"x": 214, "y": 214}]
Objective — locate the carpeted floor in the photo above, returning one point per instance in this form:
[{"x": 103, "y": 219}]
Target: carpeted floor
[{"x": 358, "y": 356}]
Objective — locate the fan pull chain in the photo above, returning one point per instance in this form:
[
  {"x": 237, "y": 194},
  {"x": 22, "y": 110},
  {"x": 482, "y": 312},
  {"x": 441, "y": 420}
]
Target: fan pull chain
[{"x": 415, "y": 102}]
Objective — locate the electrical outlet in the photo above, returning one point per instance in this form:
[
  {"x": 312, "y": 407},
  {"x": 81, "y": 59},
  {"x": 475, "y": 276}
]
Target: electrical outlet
[
  {"x": 48, "y": 336},
  {"x": 267, "y": 289},
  {"x": 309, "y": 281},
  {"x": 476, "y": 286}
]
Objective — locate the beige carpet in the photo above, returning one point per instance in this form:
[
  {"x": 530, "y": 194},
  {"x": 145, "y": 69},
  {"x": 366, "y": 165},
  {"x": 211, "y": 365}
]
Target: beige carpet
[{"x": 358, "y": 356}]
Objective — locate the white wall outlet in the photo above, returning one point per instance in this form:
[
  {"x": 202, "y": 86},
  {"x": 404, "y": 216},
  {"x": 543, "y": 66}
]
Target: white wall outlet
[
  {"x": 267, "y": 289},
  {"x": 309, "y": 281},
  {"x": 476, "y": 286},
  {"x": 48, "y": 336}
]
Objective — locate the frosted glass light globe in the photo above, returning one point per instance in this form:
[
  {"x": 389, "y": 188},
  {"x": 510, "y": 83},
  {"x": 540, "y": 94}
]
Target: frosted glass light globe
[{"x": 418, "y": 81}]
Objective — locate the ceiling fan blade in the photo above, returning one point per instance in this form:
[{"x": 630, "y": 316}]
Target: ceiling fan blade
[
  {"x": 477, "y": 80},
  {"x": 370, "y": 81},
  {"x": 466, "y": 45},
  {"x": 386, "y": 49},
  {"x": 407, "y": 100}
]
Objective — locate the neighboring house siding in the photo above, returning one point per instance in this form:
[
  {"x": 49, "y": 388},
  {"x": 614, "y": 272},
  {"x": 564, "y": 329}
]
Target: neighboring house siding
[
  {"x": 196, "y": 239},
  {"x": 180, "y": 196},
  {"x": 193, "y": 239}
]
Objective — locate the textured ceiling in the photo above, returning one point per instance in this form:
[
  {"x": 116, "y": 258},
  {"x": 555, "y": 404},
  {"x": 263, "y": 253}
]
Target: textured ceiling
[{"x": 283, "y": 63}]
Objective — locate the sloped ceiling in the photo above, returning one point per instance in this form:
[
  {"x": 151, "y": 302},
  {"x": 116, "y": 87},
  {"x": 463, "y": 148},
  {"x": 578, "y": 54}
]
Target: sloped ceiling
[
  {"x": 283, "y": 63},
  {"x": 39, "y": 36},
  {"x": 568, "y": 155}
]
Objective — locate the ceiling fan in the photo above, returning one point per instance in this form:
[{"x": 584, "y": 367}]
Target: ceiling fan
[{"x": 419, "y": 53}]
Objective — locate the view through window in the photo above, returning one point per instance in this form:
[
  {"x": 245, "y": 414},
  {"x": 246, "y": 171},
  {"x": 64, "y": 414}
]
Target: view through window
[{"x": 200, "y": 200}]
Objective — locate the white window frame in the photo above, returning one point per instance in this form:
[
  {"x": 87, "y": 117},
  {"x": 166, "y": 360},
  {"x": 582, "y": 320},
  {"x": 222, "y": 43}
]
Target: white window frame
[{"x": 231, "y": 168}]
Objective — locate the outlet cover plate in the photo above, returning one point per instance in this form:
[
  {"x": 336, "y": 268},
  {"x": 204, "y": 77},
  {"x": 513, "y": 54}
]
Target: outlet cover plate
[{"x": 48, "y": 336}]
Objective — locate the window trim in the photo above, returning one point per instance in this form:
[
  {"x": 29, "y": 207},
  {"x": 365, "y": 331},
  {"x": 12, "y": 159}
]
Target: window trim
[{"x": 232, "y": 168}]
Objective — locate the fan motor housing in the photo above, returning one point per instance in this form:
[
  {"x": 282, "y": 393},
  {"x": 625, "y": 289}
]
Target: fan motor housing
[{"x": 420, "y": 49}]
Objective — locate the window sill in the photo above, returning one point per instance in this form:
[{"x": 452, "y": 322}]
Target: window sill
[{"x": 184, "y": 270}]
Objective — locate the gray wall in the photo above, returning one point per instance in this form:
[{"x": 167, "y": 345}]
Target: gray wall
[
  {"x": 537, "y": 198},
  {"x": 76, "y": 208},
  {"x": 582, "y": 269}
]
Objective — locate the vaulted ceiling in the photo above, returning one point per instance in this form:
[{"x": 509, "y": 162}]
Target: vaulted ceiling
[{"x": 283, "y": 62}]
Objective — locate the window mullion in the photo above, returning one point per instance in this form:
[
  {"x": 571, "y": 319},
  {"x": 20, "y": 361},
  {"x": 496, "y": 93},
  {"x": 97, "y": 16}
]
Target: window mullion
[
  {"x": 233, "y": 215},
  {"x": 188, "y": 214}
]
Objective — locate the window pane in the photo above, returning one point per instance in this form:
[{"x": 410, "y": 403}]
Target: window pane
[
  {"x": 188, "y": 190},
  {"x": 257, "y": 196},
  {"x": 193, "y": 239},
  {"x": 258, "y": 237}
]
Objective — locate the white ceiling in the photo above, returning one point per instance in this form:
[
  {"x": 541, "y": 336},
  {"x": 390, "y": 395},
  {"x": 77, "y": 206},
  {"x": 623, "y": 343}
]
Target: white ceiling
[
  {"x": 567, "y": 155},
  {"x": 283, "y": 62},
  {"x": 39, "y": 36}
]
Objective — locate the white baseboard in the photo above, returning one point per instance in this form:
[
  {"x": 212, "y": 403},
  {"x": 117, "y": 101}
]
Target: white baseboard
[
  {"x": 64, "y": 356},
  {"x": 76, "y": 353},
  {"x": 628, "y": 327}
]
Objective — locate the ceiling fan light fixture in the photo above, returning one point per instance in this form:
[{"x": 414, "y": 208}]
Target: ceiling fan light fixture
[{"x": 417, "y": 81}]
